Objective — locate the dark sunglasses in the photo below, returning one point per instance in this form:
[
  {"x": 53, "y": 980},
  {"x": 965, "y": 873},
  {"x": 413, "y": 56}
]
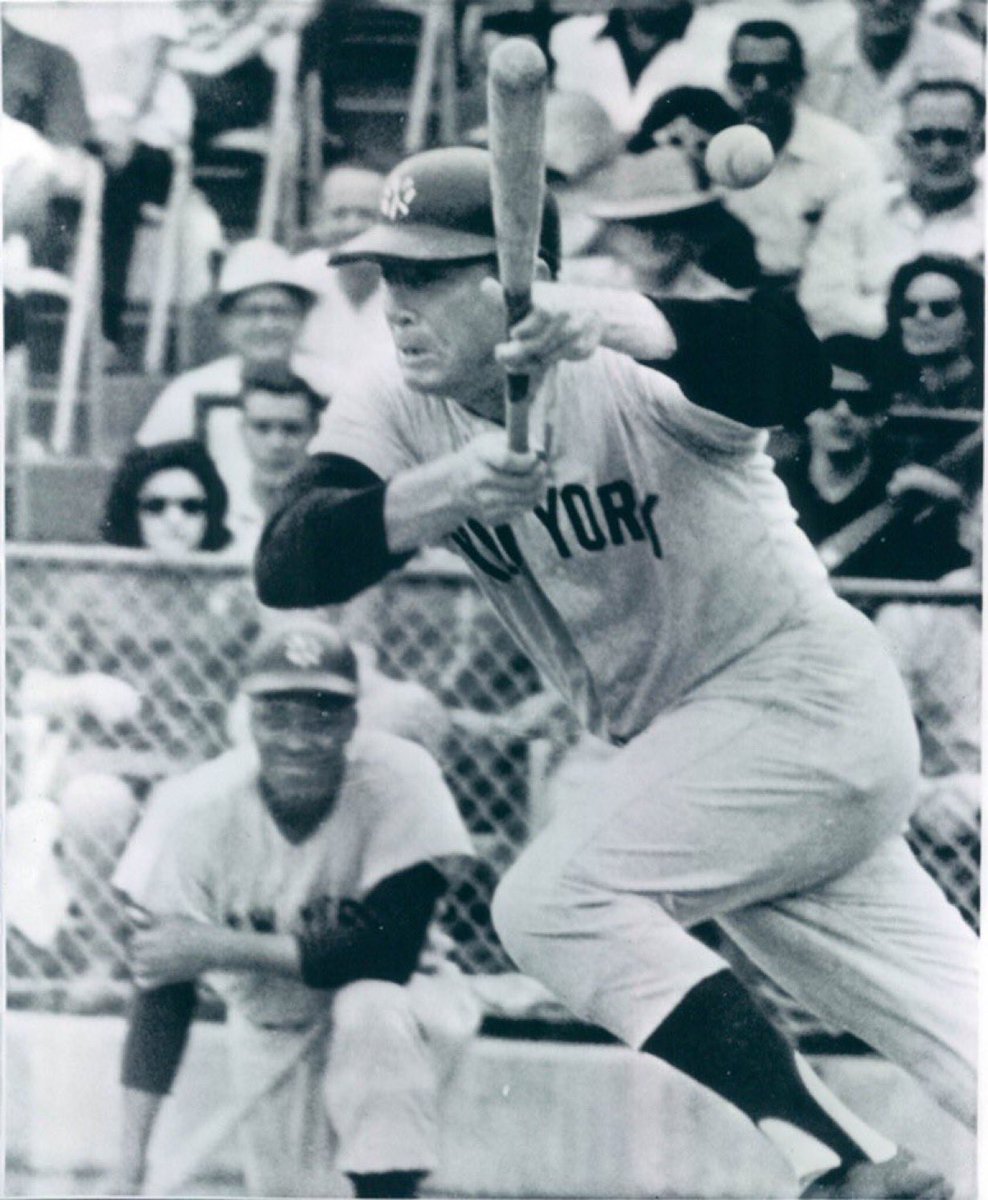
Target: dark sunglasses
[
  {"x": 926, "y": 136},
  {"x": 776, "y": 74},
  {"x": 192, "y": 506},
  {"x": 862, "y": 404},
  {"x": 937, "y": 308}
]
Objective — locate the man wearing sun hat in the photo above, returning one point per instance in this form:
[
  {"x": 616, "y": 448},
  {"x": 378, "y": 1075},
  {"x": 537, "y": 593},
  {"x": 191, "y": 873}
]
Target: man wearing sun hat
[
  {"x": 661, "y": 231},
  {"x": 263, "y": 299},
  {"x": 301, "y": 874}
]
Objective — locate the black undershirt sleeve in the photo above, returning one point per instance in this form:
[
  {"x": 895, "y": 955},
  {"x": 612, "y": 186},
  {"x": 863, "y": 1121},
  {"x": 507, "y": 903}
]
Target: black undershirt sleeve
[
  {"x": 156, "y": 1035},
  {"x": 754, "y": 360},
  {"x": 326, "y": 542},
  {"x": 380, "y": 937}
]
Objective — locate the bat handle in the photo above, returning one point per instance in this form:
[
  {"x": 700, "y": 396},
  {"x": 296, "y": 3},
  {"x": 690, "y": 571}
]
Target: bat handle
[
  {"x": 518, "y": 404},
  {"x": 516, "y": 392}
]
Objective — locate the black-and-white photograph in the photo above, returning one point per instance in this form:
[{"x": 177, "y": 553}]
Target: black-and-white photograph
[{"x": 493, "y": 540}]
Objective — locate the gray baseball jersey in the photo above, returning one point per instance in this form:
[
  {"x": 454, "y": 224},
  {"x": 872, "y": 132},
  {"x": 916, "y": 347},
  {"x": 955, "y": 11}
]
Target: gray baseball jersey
[{"x": 665, "y": 549}]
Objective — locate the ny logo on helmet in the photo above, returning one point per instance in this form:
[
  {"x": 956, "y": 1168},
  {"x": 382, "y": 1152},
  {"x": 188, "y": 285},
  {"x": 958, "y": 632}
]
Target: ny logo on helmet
[
  {"x": 303, "y": 650},
  {"x": 398, "y": 196}
]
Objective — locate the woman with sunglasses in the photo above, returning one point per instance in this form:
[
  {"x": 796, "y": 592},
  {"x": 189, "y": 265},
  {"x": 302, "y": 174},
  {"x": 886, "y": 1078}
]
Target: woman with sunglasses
[
  {"x": 168, "y": 499},
  {"x": 934, "y": 346},
  {"x": 848, "y": 467}
]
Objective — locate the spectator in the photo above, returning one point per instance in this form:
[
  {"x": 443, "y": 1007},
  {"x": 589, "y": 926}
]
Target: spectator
[
  {"x": 301, "y": 877},
  {"x": 817, "y": 160},
  {"x": 263, "y": 303},
  {"x": 346, "y": 328},
  {"x": 934, "y": 342},
  {"x": 279, "y": 416},
  {"x": 169, "y": 499},
  {"x": 203, "y": 74},
  {"x": 687, "y": 118},
  {"x": 43, "y": 88},
  {"x": 846, "y": 483},
  {"x": 630, "y": 56},
  {"x": 937, "y": 209},
  {"x": 862, "y": 76},
  {"x": 661, "y": 232},
  {"x": 937, "y": 648}
]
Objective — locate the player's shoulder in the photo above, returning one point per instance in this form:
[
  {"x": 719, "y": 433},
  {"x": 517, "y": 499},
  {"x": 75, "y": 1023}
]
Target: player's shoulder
[
  {"x": 378, "y": 754},
  {"x": 206, "y": 787}
]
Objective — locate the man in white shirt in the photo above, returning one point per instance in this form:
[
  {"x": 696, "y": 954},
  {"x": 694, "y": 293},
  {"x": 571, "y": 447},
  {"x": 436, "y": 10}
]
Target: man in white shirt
[
  {"x": 346, "y": 328},
  {"x": 863, "y": 74},
  {"x": 263, "y": 300},
  {"x": 938, "y": 209},
  {"x": 628, "y": 58},
  {"x": 279, "y": 416},
  {"x": 818, "y": 160}
]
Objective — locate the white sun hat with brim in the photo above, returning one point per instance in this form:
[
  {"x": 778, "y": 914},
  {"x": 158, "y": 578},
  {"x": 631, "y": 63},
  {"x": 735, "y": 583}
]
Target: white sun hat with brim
[
  {"x": 659, "y": 183},
  {"x": 257, "y": 262}
]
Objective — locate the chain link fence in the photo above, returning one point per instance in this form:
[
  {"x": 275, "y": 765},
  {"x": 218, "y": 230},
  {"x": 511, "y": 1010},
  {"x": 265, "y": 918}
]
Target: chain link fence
[{"x": 79, "y": 766}]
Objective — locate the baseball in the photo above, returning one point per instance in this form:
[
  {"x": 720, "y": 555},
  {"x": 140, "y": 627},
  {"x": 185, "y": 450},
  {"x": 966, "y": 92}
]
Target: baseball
[{"x": 739, "y": 157}]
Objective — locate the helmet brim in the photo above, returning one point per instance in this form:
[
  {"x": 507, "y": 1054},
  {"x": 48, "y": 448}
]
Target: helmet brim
[{"x": 413, "y": 243}]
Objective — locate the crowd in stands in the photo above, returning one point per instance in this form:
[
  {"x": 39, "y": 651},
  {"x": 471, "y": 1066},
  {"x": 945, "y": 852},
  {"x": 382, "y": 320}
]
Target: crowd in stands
[{"x": 872, "y": 221}]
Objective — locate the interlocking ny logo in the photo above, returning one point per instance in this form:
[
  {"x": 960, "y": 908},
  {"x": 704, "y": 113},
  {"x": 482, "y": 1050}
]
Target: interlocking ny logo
[
  {"x": 398, "y": 196},
  {"x": 303, "y": 650}
]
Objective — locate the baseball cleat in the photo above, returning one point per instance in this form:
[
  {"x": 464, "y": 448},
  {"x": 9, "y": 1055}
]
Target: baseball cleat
[{"x": 900, "y": 1178}]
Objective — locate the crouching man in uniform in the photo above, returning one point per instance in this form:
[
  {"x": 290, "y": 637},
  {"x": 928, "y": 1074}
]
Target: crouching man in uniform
[{"x": 299, "y": 875}]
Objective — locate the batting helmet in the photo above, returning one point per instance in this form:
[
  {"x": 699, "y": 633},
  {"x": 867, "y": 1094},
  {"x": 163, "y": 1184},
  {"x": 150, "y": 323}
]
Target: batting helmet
[{"x": 436, "y": 207}]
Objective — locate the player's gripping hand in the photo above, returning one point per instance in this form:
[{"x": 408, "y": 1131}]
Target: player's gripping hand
[
  {"x": 165, "y": 950},
  {"x": 552, "y": 332},
  {"x": 493, "y": 483}
]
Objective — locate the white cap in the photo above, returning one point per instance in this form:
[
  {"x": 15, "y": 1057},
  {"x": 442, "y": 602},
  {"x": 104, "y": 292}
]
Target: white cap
[{"x": 260, "y": 263}]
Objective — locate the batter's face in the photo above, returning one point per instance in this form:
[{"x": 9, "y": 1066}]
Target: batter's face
[
  {"x": 445, "y": 329},
  {"x": 301, "y": 741}
]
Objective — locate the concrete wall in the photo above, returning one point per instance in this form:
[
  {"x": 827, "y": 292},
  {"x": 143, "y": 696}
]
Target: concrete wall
[{"x": 521, "y": 1118}]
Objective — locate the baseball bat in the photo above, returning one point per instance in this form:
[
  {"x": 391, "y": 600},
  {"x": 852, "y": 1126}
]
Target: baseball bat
[{"x": 516, "y": 95}]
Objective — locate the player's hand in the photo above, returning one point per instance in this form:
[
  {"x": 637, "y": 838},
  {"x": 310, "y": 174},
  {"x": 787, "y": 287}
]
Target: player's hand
[
  {"x": 170, "y": 950},
  {"x": 924, "y": 482},
  {"x": 493, "y": 483},
  {"x": 552, "y": 332},
  {"x": 111, "y": 701}
]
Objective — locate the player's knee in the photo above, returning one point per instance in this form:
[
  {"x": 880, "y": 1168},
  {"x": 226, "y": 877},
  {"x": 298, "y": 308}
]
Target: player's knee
[
  {"x": 373, "y": 1009},
  {"x": 525, "y": 906}
]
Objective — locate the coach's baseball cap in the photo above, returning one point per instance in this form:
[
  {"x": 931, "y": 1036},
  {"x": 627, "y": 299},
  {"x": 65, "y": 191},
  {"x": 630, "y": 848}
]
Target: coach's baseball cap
[
  {"x": 436, "y": 207},
  {"x": 302, "y": 656}
]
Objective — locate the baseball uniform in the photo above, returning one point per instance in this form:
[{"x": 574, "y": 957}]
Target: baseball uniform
[
  {"x": 209, "y": 849},
  {"x": 664, "y": 588}
]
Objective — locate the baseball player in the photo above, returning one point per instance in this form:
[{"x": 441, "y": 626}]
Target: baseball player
[
  {"x": 299, "y": 877},
  {"x": 647, "y": 559}
]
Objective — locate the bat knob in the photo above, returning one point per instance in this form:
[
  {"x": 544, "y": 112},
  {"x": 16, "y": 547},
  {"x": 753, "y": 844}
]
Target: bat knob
[{"x": 518, "y": 65}]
